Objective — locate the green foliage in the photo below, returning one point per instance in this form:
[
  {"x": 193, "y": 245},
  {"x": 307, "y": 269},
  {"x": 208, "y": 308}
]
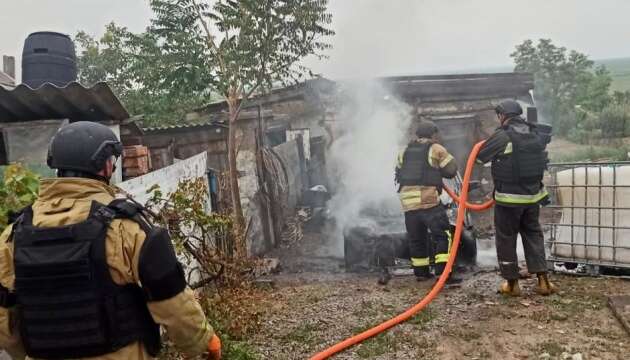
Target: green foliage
[
  {"x": 197, "y": 234},
  {"x": 614, "y": 120},
  {"x": 240, "y": 47},
  {"x": 257, "y": 43},
  {"x": 180, "y": 64},
  {"x": 564, "y": 79},
  {"x": 621, "y": 97},
  {"x": 133, "y": 65},
  {"x": 203, "y": 241},
  {"x": 107, "y": 59},
  {"x": 18, "y": 189}
]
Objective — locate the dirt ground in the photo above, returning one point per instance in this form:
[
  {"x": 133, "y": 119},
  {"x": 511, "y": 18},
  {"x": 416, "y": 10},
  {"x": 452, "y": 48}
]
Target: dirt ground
[
  {"x": 308, "y": 310},
  {"x": 305, "y": 314}
]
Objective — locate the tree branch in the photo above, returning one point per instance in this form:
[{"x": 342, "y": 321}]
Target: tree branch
[{"x": 209, "y": 37}]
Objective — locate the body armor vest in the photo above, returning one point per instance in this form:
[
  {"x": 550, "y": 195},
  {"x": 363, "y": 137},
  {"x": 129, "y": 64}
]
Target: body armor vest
[
  {"x": 416, "y": 170},
  {"x": 527, "y": 162},
  {"x": 67, "y": 302}
]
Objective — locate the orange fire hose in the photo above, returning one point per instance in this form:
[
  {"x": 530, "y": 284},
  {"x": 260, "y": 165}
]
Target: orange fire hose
[
  {"x": 474, "y": 207},
  {"x": 459, "y": 225}
]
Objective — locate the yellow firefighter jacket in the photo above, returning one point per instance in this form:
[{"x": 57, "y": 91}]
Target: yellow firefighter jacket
[
  {"x": 425, "y": 197},
  {"x": 66, "y": 201}
]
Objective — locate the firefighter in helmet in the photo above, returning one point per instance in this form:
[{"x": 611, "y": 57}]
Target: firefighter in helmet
[
  {"x": 519, "y": 160},
  {"x": 419, "y": 172},
  {"x": 86, "y": 275}
]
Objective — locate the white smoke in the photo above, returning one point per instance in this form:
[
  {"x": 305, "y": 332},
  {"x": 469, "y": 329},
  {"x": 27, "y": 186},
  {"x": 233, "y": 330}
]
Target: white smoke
[{"x": 372, "y": 128}]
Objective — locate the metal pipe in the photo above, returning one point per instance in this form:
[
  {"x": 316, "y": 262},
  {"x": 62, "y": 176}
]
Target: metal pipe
[
  {"x": 587, "y": 207},
  {"x": 594, "y": 186},
  {"x": 593, "y": 245},
  {"x": 599, "y": 215},
  {"x": 588, "y": 262},
  {"x": 614, "y": 214},
  {"x": 592, "y": 226},
  {"x": 590, "y": 164},
  {"x": 586, "y": 210},
  {"x": 572, "y": 211}
]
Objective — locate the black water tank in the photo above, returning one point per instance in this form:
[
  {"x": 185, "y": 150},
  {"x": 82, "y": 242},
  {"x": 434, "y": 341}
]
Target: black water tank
[{"x": 48, "y": 57}]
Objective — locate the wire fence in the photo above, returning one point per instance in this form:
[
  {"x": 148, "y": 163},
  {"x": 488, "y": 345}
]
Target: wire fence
[{"x": 591, "y": 213}]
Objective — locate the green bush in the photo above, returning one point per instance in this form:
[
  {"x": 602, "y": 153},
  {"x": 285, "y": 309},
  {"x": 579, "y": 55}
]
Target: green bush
[
  {"x": 19, "y": 188},
  {"x": 614, "y": 120}
]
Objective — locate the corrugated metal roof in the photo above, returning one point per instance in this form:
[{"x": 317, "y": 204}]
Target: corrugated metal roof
[
  {"x": 183, "y": 127},
  {"x": 218, "y": 121},
  {"x": 74, "y": 102}
]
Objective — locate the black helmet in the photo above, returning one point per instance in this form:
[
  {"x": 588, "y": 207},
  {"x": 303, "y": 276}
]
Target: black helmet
[
  {"x": 83, "y": 146},
  {"x": 509, "y": 108},
  {"x": 426, "y": 129}
]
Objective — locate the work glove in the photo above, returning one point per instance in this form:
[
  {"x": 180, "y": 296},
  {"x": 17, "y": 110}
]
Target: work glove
[{"x": 214, "y": 348}]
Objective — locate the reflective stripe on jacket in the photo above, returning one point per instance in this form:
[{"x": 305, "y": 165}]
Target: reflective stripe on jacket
[{"x": 425, "y": 197}]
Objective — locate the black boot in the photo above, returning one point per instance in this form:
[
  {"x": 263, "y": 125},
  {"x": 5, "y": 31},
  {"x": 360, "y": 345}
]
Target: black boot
[
  {"x": 422, "y": 274},
  {"x": 453, "y": 280}
]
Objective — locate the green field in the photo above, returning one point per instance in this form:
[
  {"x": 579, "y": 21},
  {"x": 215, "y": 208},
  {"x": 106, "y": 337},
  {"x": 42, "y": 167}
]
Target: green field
[{"x": 620, "y": 71}]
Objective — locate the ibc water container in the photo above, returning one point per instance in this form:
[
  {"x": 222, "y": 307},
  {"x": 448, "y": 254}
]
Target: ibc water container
[{"x": 48, "y": 57}]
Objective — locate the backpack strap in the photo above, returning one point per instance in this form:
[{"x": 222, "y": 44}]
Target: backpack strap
[{"x": 125, "y": 208}]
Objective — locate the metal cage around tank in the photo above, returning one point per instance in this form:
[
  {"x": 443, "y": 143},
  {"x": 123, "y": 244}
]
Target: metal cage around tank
[{"x": 590, "y": 202}]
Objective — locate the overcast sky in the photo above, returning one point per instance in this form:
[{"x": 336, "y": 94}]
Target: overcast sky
[{"x": 381, "y": 37}]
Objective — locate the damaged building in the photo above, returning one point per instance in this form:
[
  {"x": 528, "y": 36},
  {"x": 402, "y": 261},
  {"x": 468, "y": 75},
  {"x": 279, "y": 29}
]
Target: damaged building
[{"x": 284, "y": 136}]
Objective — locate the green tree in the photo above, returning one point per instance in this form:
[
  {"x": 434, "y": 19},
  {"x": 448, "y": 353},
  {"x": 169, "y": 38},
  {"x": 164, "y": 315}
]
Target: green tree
[
  {"x": 133, "y": 66},
  {"x": 563, "y": 80},
  {"x": 107, "y": 59},
  {"x": 238, "y": 47},
  {"x": 621, "y": 97}
]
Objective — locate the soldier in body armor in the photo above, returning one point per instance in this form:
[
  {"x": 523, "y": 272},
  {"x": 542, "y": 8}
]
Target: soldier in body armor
[
  {"x": 419, "y": 171},
  {"x": 518, "y": 156},
  {"x": 86, "y": 275}
]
